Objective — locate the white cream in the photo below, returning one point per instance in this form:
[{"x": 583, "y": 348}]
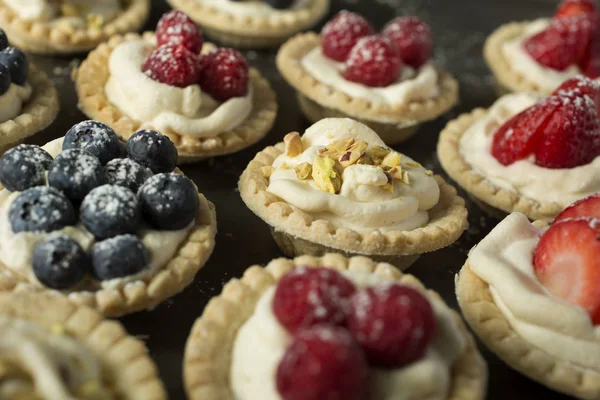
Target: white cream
[
  {"x": 362, "y": 204},
  {"x": 16, "y": 249},
  {"x": 545, "y": 78},
  {"x": 504, "y": 259},
  {"x": 49, "y": 11},
  {"x": 262, "y": 341},
  {"x": 187, "y": 111},
  {"x": 11, "y": 102},
  {"x": 253, "y": 8},
  {"x": 563, "y": 186}
]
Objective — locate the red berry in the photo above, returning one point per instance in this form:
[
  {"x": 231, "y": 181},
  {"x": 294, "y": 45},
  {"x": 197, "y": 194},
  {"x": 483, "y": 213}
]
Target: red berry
[
  {"x": 373, "y": 62},
  {"x": 394, "y": 324},
  {"x": 310, "y": 296},
  {"x": 567, "y": 263},
  {"x": 590, "y": 63},
  {"x": 588, "y": 207},
  {"x": 578, "y": 86},
  {"x": 570, "y": 8},
  {"x": 323, "y": 363},
  {"x": 341, "y": 33},
  {"x": 224, "y": 74},
  {"x": 173, "y": 65},
  {"x": 412, "y": 39},
  {"x": 175, "y": 27}
]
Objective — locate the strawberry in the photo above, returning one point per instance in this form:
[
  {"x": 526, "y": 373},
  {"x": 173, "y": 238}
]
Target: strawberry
[
  {"x": 567, "y": 262},
  {"x": 581, "y": 86},
  {"x": 373, "y": 62},
  {"x": 310, "y": 296},
  {"x": 323, "y": 363},
  {"x": 570, "y": 8},
  {"x": 590, "y": 63},
  {"x": 224, "y": 74},
  {"x": 172, "y": 65},
  {"x": 341, "y": 33},
  {"x": 412, "y": 39},
  {"x": 175, "y": 27},
  {"x": 588, "y": 207},
  {"x": 393, "y": 323}
]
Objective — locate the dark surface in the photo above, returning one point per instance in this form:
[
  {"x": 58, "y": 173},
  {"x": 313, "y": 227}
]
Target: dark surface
[{"x": 460, "y": 27}]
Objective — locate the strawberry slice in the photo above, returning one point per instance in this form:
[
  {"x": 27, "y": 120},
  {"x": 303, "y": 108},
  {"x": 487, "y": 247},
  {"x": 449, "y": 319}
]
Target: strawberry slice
[
  {"x": 570, "y": 8},
  {"x": 590, "y": 63},
  {"x": 578, "y": 86},
  {"x": 588, "y": 207},
  {"x": 567, "y": 262}
]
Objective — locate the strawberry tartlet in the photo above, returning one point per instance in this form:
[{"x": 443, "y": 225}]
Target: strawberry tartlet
[
  {"x": 532, "y": 294},
  {"x": 539, "y": 55},
  {"x": 387, "y": 81}
]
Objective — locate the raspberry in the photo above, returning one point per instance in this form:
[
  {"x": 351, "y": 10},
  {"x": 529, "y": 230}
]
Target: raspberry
[
  {"x": 341, "y": 33},
  {"x": 373, "y": 62},
  {"x": 412, "y": 39},
  {"x": 224, "y": 74},
  {"x": 309, "y": 296},
  {"x": 175, "y": 27},
  {"x": 172, "y": 65},
  {"x": 393, "y": 323},
  {"x": 323, "y": 363}
]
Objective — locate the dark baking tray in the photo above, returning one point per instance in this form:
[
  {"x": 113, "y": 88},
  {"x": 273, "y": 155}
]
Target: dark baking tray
[{"x": 460, "y": 28}]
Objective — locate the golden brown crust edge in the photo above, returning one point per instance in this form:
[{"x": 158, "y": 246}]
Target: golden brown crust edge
[
  {"x": 490, "y": 325},
  {"x": 208, "y": 349},
  {"x": 125, "y": 358},
  {"x": 91, "y": 78}
]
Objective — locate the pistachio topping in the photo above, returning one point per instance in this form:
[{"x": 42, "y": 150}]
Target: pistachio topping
[
  {"x": 303, "y": 171},
  {"x": 336, "y": 148},
  {"x": 353, "y": 153},
  {"x": 364, "y": 160},
  {"x": 326, "y": 174},
  {"x": 293, "y": 144},
  {"x": 429, "y": 173},
  {"x": 391, "y": 160},
  {"x": 95, "y": 21},
  {"x": 413, "y": 164},
  {"x": 377, "y": 154}
]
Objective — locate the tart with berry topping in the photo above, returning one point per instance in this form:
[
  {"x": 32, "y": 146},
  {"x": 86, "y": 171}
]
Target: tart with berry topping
[
  {"x": 117, "y": 234},
  {"x": 528, "y": 154},
  {"x": 253, "y": 23},
  {"x": 532, "y": 294},
  {"x": 339, "y": 188},
  {"x": 385, "y": 80},
  {"x": 330, "y": 328},
  {"x": 538, "y": 56},
  {"x": 206, "y": 99},
  {"x": 69, "y": 26},
  {"x": 54, "y": 349}
]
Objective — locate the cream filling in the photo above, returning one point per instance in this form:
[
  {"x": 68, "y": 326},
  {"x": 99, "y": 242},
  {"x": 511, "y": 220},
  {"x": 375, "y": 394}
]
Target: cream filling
[
  {"x": 253, "y": 8},
  {"x": 563, "y": 186},
  {"x": 16, "y": 249},
  {"x": 363, "y": 204},
  {"x": 504, "y": 259},
  {"x": 58, "y": 366},
  {"x": 262, "y": 341},
  {"x": 187, "y": 111},
  {"x": 11, "y": 102},
  {"x": 545, "y": 78},
  {"x": 49, "y": 11}
]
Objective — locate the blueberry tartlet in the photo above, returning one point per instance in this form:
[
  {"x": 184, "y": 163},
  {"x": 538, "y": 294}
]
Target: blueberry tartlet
[{"x": 115, "y": 227}]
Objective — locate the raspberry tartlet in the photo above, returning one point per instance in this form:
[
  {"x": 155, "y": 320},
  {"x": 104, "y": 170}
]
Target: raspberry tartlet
[
  {"x": 253, "y": 23},
  {"x": 339, "y": 188},
  {"x": 119, "y": 234},
  {"x": 385, "y": 81},
  {"x": 330, "y": 328},
  {"x": 537, "y": 56},
  {"x": 526, "y": 153},
  {"x": 532, "y": 294},
  {"x": 69, "y": 26},
  {"x": 206, "y": 99},
  {"x": 54, "y": 349}
]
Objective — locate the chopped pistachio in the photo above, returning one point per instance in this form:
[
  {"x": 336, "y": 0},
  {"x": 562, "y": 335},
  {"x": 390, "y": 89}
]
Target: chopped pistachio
[
  {"x": 293, "y": 144},
  {"x": 326, "y": 175},
  {"x": 336, "y": 148},
  {"x": 303, "y": 171},
  {"x": 267, "y": 171},
  {"x": 95, "y": 21},
  {"x": 413, "y": 164},
  {"x": 405, "y": 178},
  {"x": 353, "y": 153},
  {"x": 364, "y": 160},
  {"x": 58, "y": 329},
  {"x": 391, "y": 160},
  {"x": 389, "y": 187},
  {"x": 395, "y": 173},
  {"x": 377, "y": 154},
  {"x": 429, "y": 173}
]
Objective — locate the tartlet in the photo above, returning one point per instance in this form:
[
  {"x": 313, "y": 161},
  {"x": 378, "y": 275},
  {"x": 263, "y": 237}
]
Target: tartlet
[{"x": 208, "y": 354}]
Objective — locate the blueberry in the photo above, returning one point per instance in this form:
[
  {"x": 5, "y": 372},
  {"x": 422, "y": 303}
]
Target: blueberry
[
  {"x": 5, "y": 79},
  {"x": 59, "y": 262},
  {"x": 76, "y": 173},
  {"x": 152, "y": 150},
  {"x": 16, "y": 61},
  {"x": 3, "y": 40},
  {"x": 169, "y": 201},
  {"x": 41, "y": 208},
  {"x": 118, "y": 257},
  {"x": 280, "y": 4},
  {"x": 23, "y": 167},
  {"x": 126, "y": 172},
  {"x": 94, "y": 137},
  {"x": 110, "y": 210}
]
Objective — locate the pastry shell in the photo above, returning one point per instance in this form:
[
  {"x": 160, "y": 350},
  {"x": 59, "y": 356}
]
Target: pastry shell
[
  {"x": 399, "y": 121},
  {"x": 208, "y": 349},
  {"x": 123, "y": 357},
  {"x": 492, "y": 327},
  {"x": 298, "y": 232},
  {"x": 45, "y": 38},
  {"x": 252, "y": 31},
  {"x": 497, "y": 201},
  {"x": 91, "y": 78},
  {"x": 37, "y": 114}
]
